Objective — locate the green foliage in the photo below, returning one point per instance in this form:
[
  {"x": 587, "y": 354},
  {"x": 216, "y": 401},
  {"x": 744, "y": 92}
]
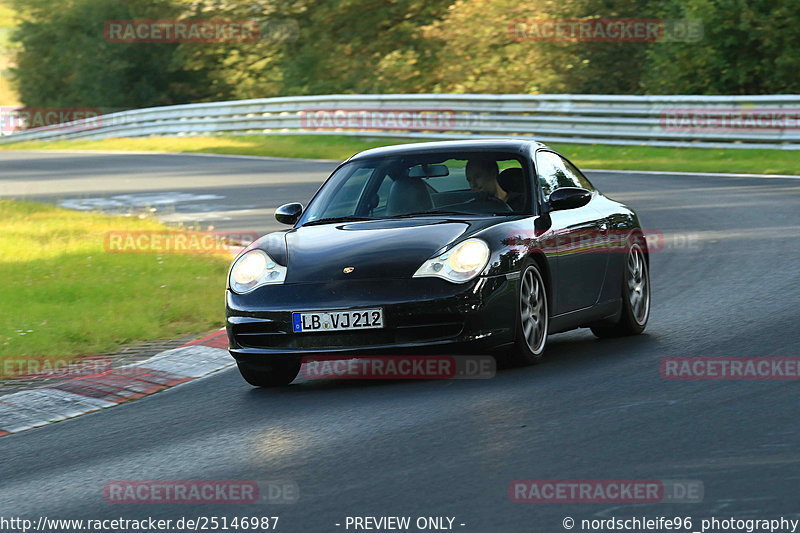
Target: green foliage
[
  {"x": 360, "y": 46},
  {"x": 396, "y": 46},
  {"x": 247, "y": 69},
  {"x": 65, "y": 60},
  {"x": 8, "y": 96},
  {"x": 479, "y": 53},
  {"x": 749, "y": 47}
]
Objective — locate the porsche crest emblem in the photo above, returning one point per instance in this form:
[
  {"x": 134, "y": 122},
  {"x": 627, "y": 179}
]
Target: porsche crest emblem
[{"x": 348, "y": 270}]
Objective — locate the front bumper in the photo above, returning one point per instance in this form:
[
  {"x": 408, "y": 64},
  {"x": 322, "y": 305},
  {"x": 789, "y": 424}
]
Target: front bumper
[{"x": 421, "y": 316}]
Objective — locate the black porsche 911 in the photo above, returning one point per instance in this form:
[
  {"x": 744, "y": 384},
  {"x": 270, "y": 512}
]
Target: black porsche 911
[{"x": 458, "y": 247}]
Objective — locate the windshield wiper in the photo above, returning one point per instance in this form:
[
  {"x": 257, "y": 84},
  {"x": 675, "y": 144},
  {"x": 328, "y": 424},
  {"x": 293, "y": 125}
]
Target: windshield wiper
[{"x": 333, "y": 220}]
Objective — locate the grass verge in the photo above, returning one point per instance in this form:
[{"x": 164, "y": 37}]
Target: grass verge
[
  {"x": 63, "y": 295},
  {"x": 341, "y": 147},
  {"x": 298, "y": 146}
]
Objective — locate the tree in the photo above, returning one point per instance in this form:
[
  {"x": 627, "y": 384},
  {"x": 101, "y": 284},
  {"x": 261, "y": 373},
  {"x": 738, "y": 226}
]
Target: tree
[
  {"x": 480, "y": 52},
  {"x": 359, "y": 46},
  {"x": 748, "y": 47},
  {"x": 66, "y": 61}
]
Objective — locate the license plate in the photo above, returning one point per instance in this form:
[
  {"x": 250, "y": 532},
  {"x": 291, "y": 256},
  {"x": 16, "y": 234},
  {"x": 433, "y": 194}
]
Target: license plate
[{"x": 337, "y": 320}]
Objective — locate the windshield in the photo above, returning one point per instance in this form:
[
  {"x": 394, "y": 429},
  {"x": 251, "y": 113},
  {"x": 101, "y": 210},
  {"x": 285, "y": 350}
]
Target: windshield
[{"x": 423, "y": 184}]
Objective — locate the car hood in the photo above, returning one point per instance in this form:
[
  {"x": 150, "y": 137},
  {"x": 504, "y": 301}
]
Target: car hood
[{"x": 373, "y": 249}]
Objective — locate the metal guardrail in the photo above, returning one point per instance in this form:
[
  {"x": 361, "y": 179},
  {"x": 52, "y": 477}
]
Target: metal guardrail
[{"x": 682, "y": 121}]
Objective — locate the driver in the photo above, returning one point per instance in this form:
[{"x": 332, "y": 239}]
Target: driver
[{"x": 482, "y": 177}]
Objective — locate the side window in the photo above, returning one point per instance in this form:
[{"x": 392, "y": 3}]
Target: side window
[
  {"x": 578, "y": 175},
  {"x": 551, "y": 172},
  {"x": 556, "y": 172}
]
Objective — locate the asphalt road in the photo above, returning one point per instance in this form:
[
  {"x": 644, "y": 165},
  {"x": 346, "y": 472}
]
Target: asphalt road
[
  {"x": 727, "y": 284},
  {"x": 228, "y": 193}
]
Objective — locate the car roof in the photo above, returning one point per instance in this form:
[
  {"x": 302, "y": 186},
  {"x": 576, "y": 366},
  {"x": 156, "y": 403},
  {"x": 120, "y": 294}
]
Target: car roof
[{"x": 499, "y": 145}]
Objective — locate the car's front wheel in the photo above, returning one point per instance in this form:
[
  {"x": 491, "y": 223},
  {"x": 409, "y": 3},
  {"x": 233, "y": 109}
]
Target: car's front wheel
[
  {"x": 533, "y": 317},
  {"x": 635, "y": 298},
  {"x": 275, "y": 374}
]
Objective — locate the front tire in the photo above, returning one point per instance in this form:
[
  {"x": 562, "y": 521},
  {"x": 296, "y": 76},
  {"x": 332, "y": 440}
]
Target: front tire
[
  {"x": 635, "y": 298},
  {"x": 275, "y": 374},
  {"x": 533, "y": 318}
]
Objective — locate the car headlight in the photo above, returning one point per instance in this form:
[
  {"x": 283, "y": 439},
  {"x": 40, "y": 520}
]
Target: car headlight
[
  {"x": 459, "y": 264},
  {"x": 254, "y": 269}
]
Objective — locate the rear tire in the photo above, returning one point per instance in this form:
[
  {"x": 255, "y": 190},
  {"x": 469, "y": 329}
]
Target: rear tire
[
  {"x": 533, "y": 318},
  {"x": 273, "y": 374},
  {"x": 635, "y": 298}
]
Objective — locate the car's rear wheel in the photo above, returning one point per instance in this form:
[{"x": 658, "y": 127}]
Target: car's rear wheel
[
  {"x": 274, "y": 374},
  {"x": 533, "y": 317},
  {"x": 635, "y": 297}
]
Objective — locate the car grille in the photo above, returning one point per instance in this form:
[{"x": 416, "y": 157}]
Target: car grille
[{"x": 409, "y": 329}]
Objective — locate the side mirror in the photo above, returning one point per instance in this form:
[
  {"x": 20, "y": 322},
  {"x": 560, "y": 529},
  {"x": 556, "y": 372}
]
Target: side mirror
[
  {"x": 289, "y": 213},
  {"x": 569, "y": 198}
]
